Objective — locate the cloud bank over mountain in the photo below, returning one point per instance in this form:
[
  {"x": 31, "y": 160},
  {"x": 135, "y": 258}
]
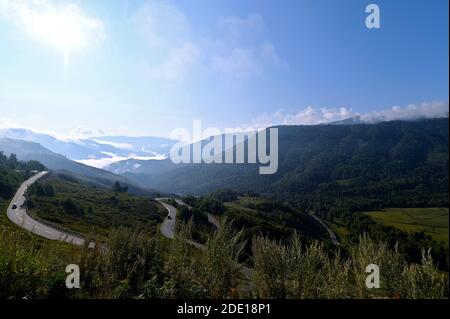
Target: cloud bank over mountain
[
  {"x": 98, "y": 152},
  {"x": 317, "y": 115}
]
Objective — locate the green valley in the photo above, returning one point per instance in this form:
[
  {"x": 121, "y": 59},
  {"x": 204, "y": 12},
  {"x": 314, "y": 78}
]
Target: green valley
[
  {"x": 433, "y": 221},
  {"x": 64, "y": 202},
  {"x": 349, "y": 178}
]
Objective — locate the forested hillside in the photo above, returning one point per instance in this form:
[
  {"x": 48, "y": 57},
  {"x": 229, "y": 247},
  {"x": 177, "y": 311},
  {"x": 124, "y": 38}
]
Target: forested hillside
[
  {"x": 67, "y": 203},
  {"x": 397, "y": 163},
  {"x": 12, "y": 172}
]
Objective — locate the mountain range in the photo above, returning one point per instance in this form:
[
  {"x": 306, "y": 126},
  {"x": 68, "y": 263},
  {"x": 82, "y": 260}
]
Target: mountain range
[
  {"x": 405, "y": 161},
  {"x": 27, "y": 151},
  {"x": 96, "y": 151}
]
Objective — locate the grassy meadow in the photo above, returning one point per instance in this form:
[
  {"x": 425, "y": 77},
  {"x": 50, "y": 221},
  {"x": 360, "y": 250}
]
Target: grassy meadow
[
  {"x": 85, "y": 209},
  {"x": 434, "y": 221}
]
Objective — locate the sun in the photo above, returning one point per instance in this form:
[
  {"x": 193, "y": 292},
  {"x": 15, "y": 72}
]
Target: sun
[
  {"x": 62, "y": 30},
  {"x": 65, "y": 28}
]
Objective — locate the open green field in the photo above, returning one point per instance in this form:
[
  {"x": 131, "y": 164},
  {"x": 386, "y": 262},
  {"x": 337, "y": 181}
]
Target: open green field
[
  {"x": 84, "y": 209},
  {"x": 434, "y": 221},
  {"x": 245, "y": 203}
]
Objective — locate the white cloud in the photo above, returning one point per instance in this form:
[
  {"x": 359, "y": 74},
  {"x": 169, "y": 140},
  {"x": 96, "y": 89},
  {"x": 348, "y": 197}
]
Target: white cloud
[
  {"x": 178, "y": 63},
  {"x": 314, "y": 115},
  {"x": 163, "y": 24},
  {"x": 82, "y": 132},
  {"x": 103, "y": 162},
  {"x": 8, "y": 124},
  {"x": 410, "y": 112},
  {"x": 64, "y": 27},
  {"x": 243, "y": 51},
  {"x": 238, "y": 63},
  {"x": 307, "y": 116},
  {"x": 124, "y": 146},
  {"x": 168, "y": 33},
  {"x": 269, "y": 53},
  {"x": 239, "y": 50}
]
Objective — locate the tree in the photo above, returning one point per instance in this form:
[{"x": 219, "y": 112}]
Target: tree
[
  {"x": 13, "y": 162},
  {"x": 73, "y": 208},
  {"x": 184, "y": 213},
  {"x": 212, "y": 205},
  {"x": 117, "y": 188}
]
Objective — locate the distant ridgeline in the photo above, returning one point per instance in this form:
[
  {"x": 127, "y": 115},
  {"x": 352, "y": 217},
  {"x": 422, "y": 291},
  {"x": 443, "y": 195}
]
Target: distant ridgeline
[
  {"x": 328, "y": 167},
  {"x": 30, "y": 151}
]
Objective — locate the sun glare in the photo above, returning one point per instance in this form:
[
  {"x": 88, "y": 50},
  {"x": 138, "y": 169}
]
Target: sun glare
[
  {"x": 64, "y": 28},
  {"x": 60, "y": 29}
]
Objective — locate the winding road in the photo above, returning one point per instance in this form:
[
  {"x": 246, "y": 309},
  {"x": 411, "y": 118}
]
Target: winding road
[
  {"x": 331, "y": 233},
  {"x": 20, "y": 217},
  {"x": 168, "y": 225},
  {"x": 168, "y": 229}
]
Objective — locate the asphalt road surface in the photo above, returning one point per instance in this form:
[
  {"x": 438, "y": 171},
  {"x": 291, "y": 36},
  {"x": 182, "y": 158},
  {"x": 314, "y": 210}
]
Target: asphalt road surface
[
  {"x": 331, "y": 233},
  {"x": 20, "y": 217},
  {"x": 168, "y": 225}
]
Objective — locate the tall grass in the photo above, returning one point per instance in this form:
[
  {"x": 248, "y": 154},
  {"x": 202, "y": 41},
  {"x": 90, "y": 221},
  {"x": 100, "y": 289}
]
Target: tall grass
[
  {"x": 29, "y": 268},
  {"x": 297, "y": 271},
  {"x": 220, "y": 268},
  {"x": 135, "y": 264}
]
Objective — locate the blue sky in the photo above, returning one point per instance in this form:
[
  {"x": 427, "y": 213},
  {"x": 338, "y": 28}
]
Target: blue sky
[{"x": 147, "y": 67}]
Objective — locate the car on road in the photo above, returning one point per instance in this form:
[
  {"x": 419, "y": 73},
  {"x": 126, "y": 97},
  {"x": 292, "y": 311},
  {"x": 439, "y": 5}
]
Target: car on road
[
  {"x": 169, "y": 217},
  {"x": 14, "y": 206}
]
